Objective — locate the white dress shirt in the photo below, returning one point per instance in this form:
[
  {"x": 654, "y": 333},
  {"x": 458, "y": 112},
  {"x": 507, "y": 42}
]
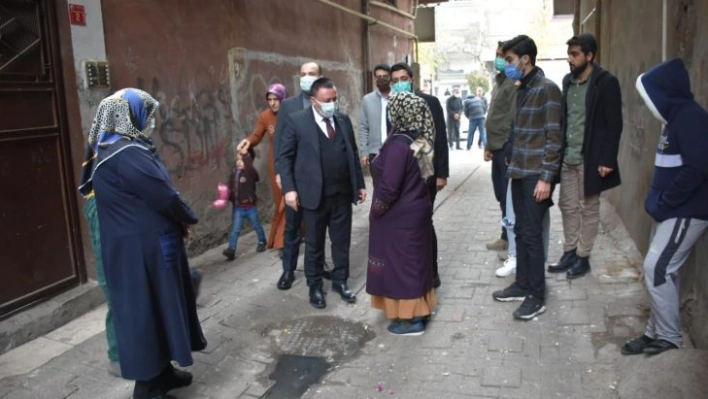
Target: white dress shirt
[{"x": 320, "y": 120}]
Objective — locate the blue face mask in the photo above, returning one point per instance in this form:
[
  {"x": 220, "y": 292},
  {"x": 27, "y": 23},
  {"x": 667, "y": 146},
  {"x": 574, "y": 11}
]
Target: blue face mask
[
  {"x": 403, "y": 86},
  {"x": 499, "y": 64},
  {"x": 512, "y": 71}
]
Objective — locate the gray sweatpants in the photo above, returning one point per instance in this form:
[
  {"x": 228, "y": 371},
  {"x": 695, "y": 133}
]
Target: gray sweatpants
[{"x": 669, "y": 250}]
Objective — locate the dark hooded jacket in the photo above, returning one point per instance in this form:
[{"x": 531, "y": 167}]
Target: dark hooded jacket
[
  {"x": 603, "y": 127},
  {"x": 680, "y": 184}
]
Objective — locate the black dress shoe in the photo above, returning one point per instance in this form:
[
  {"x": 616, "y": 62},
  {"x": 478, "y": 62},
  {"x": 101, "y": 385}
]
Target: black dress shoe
[
  {"x": 344, "y": 291},
  {"x": 579, "y": 268},
  {"x": 172, "y": 378},
  {"x": 317, "y": 298},
  {"x": 565, "y": 262},
  {"x": 286, "y": 280}
]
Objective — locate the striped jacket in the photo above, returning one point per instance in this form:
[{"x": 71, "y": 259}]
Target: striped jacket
[{"x": 536, "y": 135}]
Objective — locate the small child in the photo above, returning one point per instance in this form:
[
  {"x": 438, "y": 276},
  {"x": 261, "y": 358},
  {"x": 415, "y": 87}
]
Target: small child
[{"x": 242, "y": 194}]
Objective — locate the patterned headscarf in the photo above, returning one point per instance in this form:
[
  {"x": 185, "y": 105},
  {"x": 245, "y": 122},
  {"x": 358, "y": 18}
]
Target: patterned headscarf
[
  {"x": 409, "y": 113},
  {"x": 279, "y": 90},
  {"x": 127, "y": 113}
]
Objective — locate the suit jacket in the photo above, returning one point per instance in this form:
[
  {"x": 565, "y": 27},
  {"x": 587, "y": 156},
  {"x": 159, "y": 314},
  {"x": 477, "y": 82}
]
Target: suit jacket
[
  {"x": 287, "y": 107},
  {"x": 442, "y": 163},
  {"x": 370, "y": 135},
  {"x": 300, "y": 165}
]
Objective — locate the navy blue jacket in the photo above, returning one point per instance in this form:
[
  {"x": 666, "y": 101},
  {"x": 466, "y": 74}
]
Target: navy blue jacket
[
  {"x": 141, "y": 219},
  {"x": 680, "y": 184}
]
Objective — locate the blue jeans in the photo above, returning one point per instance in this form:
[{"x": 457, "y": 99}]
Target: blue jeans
[
  {"x": 477, "y": 123},
  {"x": 240, "y": 215}
]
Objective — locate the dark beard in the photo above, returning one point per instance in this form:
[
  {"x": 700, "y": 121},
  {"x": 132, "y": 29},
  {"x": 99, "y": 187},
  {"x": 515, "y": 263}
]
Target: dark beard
[
  {"x": 384, "y": 87},
  {"x": 578, "y": 70}
]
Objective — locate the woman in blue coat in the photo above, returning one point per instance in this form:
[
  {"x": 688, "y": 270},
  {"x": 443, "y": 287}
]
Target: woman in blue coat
[{"x": 143, "y": 222}]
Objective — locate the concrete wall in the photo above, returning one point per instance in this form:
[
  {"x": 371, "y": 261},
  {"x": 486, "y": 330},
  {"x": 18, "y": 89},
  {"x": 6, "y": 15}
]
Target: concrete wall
[
  {"x": 626, "y": 50},
  {"x": 209, "y": 63},
  {"x": 87, "y": 44}
]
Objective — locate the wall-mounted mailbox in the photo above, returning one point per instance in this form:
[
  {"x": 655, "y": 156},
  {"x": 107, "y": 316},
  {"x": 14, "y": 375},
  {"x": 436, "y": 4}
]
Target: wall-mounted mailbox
[{"x": 97, "y": 75}]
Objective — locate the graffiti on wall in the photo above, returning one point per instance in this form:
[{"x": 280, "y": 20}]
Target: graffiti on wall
[{"x": 193, "y": 123}]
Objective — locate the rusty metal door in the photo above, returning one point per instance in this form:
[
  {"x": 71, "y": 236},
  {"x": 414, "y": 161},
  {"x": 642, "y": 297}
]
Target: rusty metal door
[{"x": 38, "y": 221}]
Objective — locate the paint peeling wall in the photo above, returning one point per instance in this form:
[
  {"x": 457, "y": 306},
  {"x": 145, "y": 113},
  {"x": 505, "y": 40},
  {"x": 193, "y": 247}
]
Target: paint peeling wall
[
  {"x": 628, "y": 50},
  {"x": 209, "y": 63}
]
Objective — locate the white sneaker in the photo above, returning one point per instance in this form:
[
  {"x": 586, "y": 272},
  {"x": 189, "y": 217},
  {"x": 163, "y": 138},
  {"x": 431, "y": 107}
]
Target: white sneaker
[{"x": 508, "y": 269}]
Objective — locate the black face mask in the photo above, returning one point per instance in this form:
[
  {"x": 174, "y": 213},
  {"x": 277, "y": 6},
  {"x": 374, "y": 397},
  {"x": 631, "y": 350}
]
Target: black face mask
[{"x": 578, "y": 70}]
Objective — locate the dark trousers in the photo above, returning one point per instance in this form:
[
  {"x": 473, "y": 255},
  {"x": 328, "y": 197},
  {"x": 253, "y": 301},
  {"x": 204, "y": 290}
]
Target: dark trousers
[
  {"x": 500, "y": 183},
  {"x": 333, "y": 214},
  {"x": 291, "y": 238},
  {"x": 433, "y": 191},
  {"x": 530, "y": 273},
  {"x": 453, "y": 132}
]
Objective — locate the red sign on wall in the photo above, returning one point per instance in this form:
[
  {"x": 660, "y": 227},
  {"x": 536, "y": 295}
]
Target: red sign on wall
[{"x": 77, "y": 14}]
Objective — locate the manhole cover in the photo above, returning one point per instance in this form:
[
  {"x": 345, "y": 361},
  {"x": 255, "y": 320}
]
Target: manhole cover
[{"x": 329, "y": 337}]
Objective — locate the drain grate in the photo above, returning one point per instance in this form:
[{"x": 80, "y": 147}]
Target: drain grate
[{"x": 320, "y": 336}]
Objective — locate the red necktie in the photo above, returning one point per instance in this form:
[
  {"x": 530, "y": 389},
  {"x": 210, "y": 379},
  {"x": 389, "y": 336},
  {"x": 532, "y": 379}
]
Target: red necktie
[{"x": 330, "y": 128}]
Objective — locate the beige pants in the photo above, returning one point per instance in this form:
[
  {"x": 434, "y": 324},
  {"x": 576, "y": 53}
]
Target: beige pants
[{"x": 581, "y": 215}]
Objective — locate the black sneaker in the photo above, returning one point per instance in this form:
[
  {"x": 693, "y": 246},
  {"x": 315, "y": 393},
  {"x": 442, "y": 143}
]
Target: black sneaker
[
  {"x": 230, "y": 254},
  {"x": 636, "y": 346},
  {"x": 658, "y": 346},
  {"x": 510, "y": 294},
  {"x": 530, "y": 308},
  {"x": 261, "y": 247}
]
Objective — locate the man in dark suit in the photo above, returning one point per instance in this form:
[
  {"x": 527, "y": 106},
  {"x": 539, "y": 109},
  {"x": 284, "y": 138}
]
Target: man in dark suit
[
  {"x": 320, "y": 173},
  {"x": 402, "y": 80},
  {"x": 309, "y": 72}
]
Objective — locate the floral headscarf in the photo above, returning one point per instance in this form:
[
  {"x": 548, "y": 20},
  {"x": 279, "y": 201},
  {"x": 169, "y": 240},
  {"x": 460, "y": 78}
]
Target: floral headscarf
[{"x": 409, "y": 113}]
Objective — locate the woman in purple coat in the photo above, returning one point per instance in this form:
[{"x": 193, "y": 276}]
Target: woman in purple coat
[{"x": 400, "y": 266}]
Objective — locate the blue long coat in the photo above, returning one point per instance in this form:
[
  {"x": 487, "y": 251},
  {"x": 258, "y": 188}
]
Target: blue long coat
[{"x": 141, "y": 219}]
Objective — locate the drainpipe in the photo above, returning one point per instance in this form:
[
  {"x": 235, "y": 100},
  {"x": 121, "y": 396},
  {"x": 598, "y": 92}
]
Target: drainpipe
[
  {"x": 367, "y": 48},
  {"x": 664, "y": 24},
  {"x": 374, "y": 21}
]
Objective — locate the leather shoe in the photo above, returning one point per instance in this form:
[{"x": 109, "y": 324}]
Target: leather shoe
[
  {"x": 579, "y": 268},
  {"x": 286, "y": 280},
  {"x": 317, "y": 298},
  {"x": 344, "y": 292},
  {"x": 565, "y": 262}
]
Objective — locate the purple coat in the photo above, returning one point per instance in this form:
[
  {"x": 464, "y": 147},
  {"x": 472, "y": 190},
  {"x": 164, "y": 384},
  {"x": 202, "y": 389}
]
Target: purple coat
[{"x": 400, "y": 262}]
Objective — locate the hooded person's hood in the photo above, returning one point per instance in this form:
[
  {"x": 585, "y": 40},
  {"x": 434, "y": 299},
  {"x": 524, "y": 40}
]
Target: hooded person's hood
[{"x": 664, "y": 87}]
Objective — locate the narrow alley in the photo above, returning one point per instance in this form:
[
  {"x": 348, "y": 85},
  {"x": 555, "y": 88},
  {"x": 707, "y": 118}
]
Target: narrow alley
[{"x": 473, "y": 347}]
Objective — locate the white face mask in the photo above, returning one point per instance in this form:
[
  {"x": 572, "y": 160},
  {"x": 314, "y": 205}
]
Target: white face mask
[
  {"x": 149, "y": 128},
  {"x": 327, "y": 110},
  {"x": 306, "y": 82}
]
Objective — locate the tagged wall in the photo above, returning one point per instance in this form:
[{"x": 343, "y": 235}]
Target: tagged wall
[
  {"x": 627, "y": 50},
  {"x": 209, "y": 63}
]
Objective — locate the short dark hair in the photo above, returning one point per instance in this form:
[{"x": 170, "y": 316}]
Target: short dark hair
[
  {"x": 251, "y": 152},
  {"x": 400, "y": 66},
  {"x": 522, "y": 45},
  {"x": 382, "y": 67},
  {"x": 321, "y": 83},
  {"x": 586, "y": 42}
]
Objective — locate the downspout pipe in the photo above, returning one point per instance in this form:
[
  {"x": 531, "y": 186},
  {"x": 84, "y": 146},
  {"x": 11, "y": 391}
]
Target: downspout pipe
[
  {"x": 664, "y": 27},
  {"x": 374, "y": 21}
]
